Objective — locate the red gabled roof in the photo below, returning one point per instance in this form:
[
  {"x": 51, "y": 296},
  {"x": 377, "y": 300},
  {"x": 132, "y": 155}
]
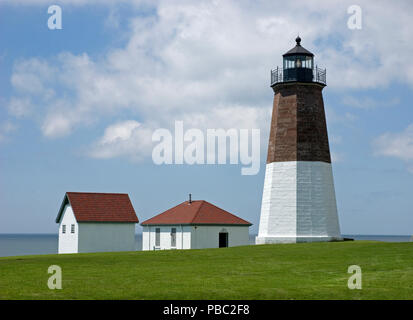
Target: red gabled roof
[
  {"x": 99, "y": 207},
  {"x": 197, "y": 212}
]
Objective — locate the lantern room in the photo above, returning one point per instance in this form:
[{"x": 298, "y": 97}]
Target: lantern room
[{"x": 298, "y": 64}]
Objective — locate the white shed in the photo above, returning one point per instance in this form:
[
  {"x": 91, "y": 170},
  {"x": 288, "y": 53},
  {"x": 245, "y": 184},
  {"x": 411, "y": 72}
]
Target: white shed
[
  {"x": 194, "y": 225},
  {"x": 96, "y": 222}
]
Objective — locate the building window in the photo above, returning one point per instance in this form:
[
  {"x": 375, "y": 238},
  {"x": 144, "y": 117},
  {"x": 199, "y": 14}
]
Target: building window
[
  {"x": 72, "y": 229},
  {"x": 157, "y": 237},
  {"x": 63, "y": 228},
  {"x": 173, "y": 237}
]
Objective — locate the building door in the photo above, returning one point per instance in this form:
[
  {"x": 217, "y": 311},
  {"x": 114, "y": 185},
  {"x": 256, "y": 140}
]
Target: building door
[{"x": 223, "y": 239}]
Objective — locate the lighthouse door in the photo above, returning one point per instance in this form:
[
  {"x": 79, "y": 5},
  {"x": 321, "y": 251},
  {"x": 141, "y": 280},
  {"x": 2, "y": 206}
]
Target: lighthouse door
[{"x": 223, "y": 239}]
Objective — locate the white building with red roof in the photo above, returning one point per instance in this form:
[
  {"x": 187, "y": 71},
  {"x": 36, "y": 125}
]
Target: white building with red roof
[
  {"x": 194, "y": 225},
  {"x": 96, "y": 222}
]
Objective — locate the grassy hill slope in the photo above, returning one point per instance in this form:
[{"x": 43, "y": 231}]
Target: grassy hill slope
[{"x": 288, "y": 271}]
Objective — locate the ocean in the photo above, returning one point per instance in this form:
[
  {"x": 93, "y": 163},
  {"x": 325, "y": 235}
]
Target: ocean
[{"x": 28, "y": 244}]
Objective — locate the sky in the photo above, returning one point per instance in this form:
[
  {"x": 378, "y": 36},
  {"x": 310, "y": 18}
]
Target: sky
[{"x": 79, "y": 105}]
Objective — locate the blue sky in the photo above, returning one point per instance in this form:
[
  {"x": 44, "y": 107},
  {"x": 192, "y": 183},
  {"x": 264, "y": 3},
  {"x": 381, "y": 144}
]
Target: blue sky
[{"x": 66, "y": 94}]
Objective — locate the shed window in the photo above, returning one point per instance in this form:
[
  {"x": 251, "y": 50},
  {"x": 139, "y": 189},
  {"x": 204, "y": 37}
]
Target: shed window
[
  {"x": 157, "y": 237},
  {"x": 64, "y": 228},
  {"x": 173, "y": 237},
  {"x": 72, "y": 229}
]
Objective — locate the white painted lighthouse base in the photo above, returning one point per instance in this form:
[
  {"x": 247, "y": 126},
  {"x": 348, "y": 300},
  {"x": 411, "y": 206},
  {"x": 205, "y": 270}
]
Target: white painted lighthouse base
[
  {"x": 269, "y": 240},
  {"x": 298, "y": 203}
]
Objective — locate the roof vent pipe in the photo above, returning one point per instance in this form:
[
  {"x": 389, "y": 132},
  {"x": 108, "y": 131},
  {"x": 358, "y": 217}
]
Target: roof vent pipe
[{"x": 190, "y": 198}]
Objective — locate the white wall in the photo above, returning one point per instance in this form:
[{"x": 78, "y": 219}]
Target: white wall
[
  {"x": 298, "y": 203},
  {"x": 316, "y": 201},
  {"x": 68, "y": 242},
  {"x": 189, "y": 237},
  {"x": 183, "y": 237},
  {"x": 208, "y": 236},
  {"x": 279, "y": 202},
  {"x": 106, "y": 236}
]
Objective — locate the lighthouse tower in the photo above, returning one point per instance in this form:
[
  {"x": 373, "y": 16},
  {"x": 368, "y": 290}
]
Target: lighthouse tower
[{"x": 298, "y": 202}]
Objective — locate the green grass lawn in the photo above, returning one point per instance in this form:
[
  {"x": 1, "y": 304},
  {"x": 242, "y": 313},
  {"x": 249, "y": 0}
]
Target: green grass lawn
[{"x": 287, "y": 271}]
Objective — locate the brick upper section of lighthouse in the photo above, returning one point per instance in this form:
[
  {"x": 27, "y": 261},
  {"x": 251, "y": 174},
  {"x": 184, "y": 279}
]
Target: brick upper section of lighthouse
[{"x": 298, "y": 125}]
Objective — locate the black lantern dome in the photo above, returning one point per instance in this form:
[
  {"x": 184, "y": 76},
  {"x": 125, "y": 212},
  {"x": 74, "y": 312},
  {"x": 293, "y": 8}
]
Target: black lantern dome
[
  {"x": 298, "y": 50},
  {"x": 298, "y": 66}
]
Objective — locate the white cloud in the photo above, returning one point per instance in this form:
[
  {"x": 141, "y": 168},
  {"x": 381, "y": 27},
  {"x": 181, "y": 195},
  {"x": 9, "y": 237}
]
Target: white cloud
[
  {"x": 368, "y": 103},
  {"x": 19, "y": 106},
  {"x": 133, "y": 140},
  {"x": 337, "y": 157},
  {"x": 227, "y": 117},
  {"x": 398, "y": 145},
  {"x": 34, "y": 77},
  {"x": 56, "y": 125},
  {"x": 76, "y": 2},
  {"x": 334, "y": 117},
  {"x": 207, "y": 63},
  {"x": 113, "y": 19},
  {"x": 334, "y": 139},
  {"x": 119, "y": 131},
  {"x": 128, "y": 139},
  {"x": 6, "y": 128}
]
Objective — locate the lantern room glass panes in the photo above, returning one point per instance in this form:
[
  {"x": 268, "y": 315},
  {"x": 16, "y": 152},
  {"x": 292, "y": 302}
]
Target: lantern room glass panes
[{"x": 291, "y": 62}]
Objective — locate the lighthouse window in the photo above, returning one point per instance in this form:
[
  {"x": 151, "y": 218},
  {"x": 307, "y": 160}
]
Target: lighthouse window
[
  {"x": 303, "y": 62},
  {"x": 289, "y": 63},
  {"x": 309, "y": 62}
]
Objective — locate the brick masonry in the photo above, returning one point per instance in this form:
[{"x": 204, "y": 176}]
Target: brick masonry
[{"x": 298, "y": 126}]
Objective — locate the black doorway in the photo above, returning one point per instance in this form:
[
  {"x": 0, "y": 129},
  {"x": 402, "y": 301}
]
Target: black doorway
[{"x": 223, "y": 239}]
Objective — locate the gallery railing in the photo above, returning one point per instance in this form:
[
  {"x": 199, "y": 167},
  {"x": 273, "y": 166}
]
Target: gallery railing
[{"x": 316, "y": 74}]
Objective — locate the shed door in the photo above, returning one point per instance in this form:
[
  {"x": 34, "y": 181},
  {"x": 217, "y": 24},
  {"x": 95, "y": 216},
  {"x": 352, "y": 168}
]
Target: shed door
[{"x": 223, "y": 239}]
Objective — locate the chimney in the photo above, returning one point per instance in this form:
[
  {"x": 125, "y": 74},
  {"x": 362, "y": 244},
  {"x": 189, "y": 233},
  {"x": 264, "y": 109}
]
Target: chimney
[{"x": 190, "y": 198}]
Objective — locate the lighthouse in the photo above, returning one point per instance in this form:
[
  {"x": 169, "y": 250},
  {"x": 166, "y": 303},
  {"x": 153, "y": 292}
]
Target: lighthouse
[{"x": 298, "y": 201}]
